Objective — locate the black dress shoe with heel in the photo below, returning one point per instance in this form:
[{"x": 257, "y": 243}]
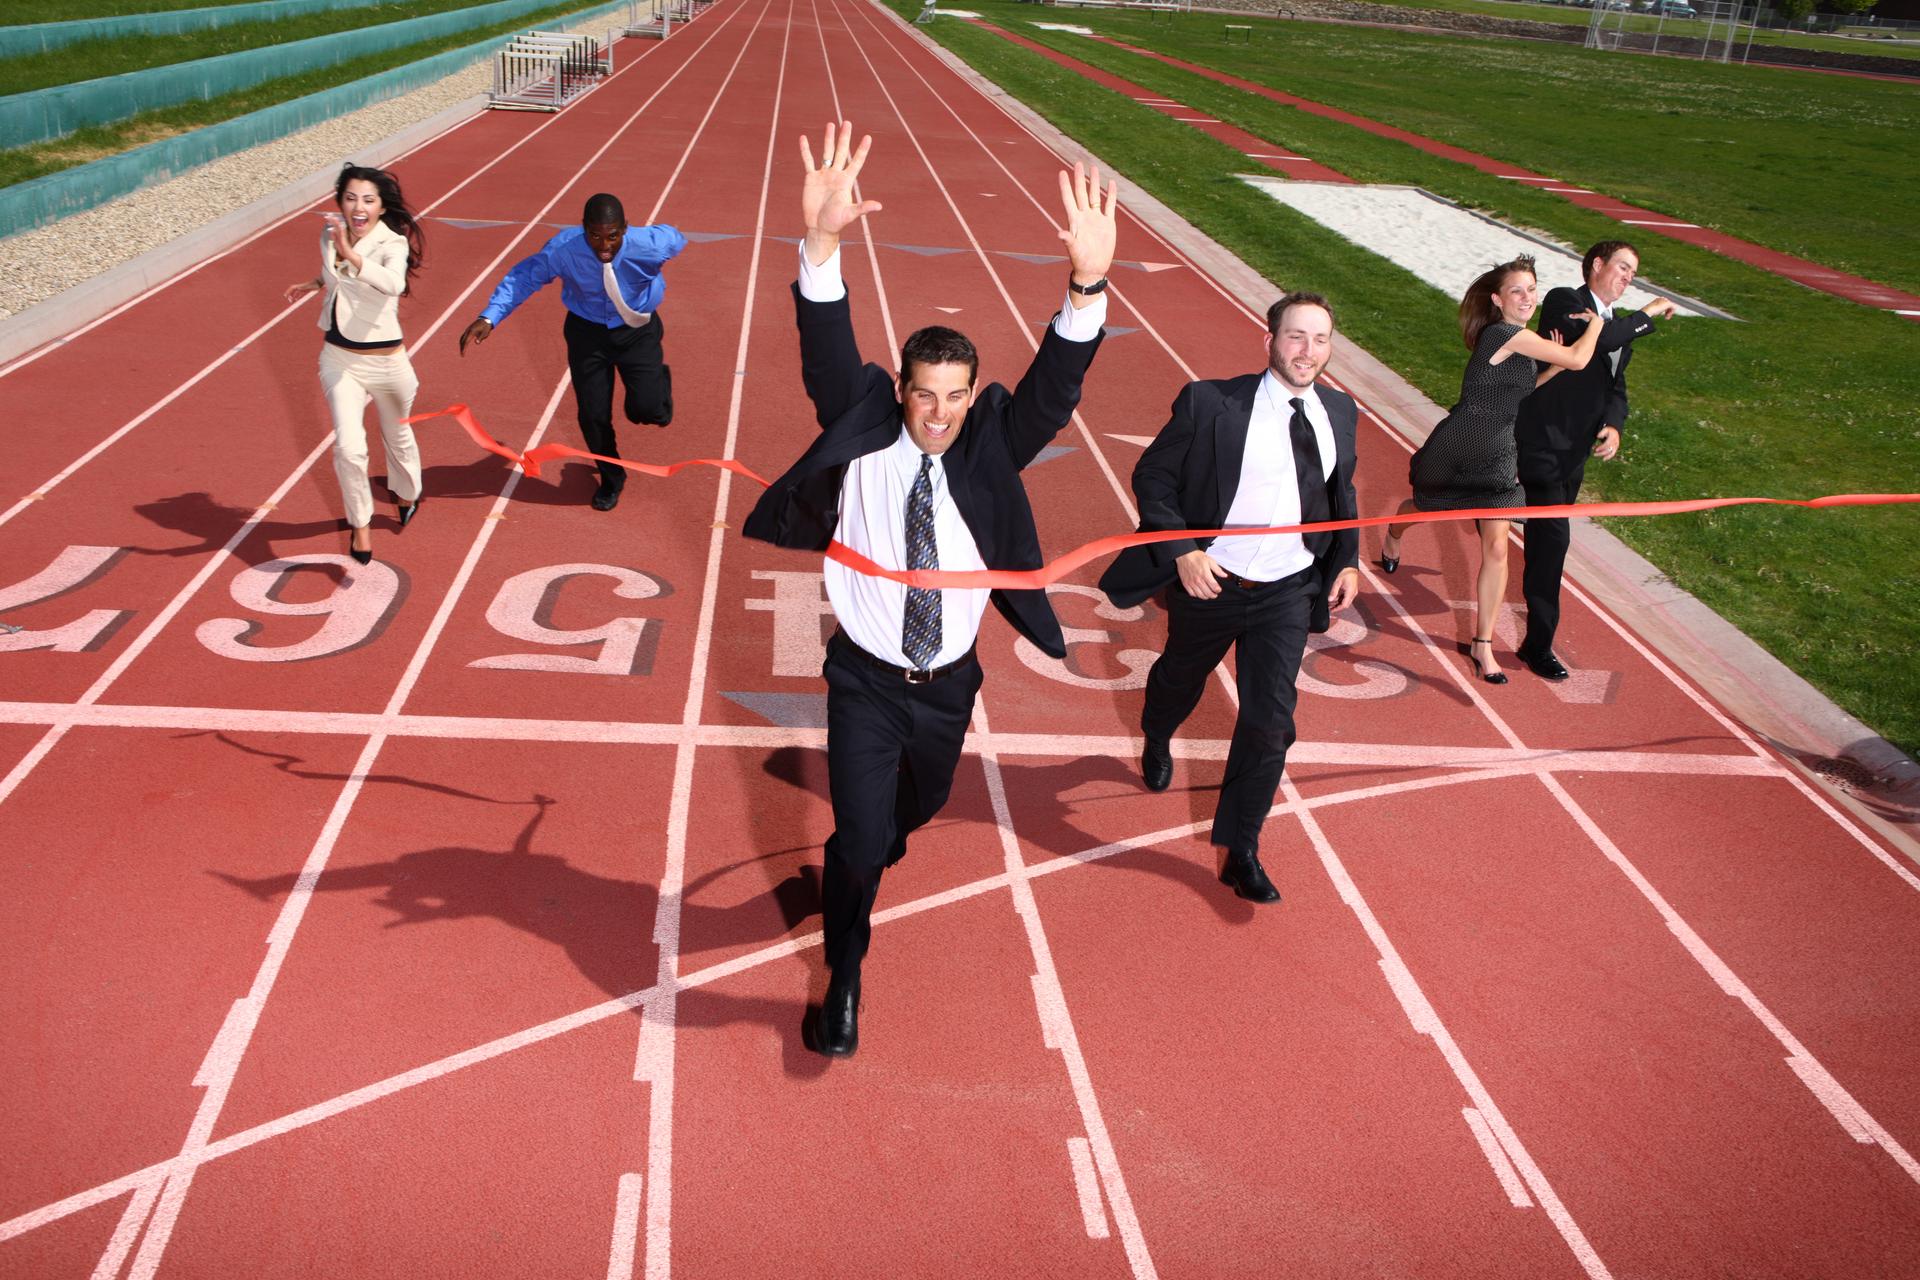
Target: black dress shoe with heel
[
  {"x": 408, "y": 512},
  {"x": 1491, "y": 677},
  {"x": 837, "y": 1033},
  {"x": 1545, "y": 665},
  {"x": 1156, "y": 764},
  {"x": 1247, "y": 878},
  {"x": 359, "y": 556}
]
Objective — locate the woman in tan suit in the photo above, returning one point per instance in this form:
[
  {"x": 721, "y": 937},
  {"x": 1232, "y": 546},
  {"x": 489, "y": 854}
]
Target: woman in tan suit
[{"x": 369, "y": 251}]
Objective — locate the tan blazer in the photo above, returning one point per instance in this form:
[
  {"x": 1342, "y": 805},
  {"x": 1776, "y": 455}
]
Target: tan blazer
[{"x": 367, "y": 301}]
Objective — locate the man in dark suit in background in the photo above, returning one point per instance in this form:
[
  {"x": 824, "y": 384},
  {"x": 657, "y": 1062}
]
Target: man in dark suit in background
[
  {"x": 1265, "y": 449},
  {"x": 918, "y": 472},
  {"x": 1575, "y": 415}
]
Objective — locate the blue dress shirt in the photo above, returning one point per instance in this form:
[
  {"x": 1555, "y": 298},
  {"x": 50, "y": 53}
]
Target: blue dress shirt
[{"x": 582, "y": 283}]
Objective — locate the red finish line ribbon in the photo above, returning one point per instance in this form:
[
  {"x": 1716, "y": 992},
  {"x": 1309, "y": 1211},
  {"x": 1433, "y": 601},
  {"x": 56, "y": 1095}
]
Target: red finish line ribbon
[
  {"x": 1059, "y": 567},
  {"x": 530, "y": 460}
]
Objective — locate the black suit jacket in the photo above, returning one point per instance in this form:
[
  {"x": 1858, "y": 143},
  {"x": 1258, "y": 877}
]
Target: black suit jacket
[
  {"x": 1558, "y": 423},
  {"x": 859, "y": 414},
  {"x": 1187, "y": 478}
]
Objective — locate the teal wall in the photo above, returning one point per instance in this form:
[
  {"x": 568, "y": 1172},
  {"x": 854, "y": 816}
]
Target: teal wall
[
  {"x": 32, "y": 204},
  {"x": 26, "y": 118}
]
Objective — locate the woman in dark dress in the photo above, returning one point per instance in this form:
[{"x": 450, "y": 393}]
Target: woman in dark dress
[{"x": 1471, "y": 461}]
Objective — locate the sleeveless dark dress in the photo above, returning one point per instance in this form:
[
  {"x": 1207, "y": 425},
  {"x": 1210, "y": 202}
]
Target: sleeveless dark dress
[{"x": 1471, "y": 459}]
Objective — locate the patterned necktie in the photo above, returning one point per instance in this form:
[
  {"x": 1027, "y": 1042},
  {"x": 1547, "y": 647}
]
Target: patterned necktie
[
  {"x": 921, "y": 636},
  {"x": 1307, "y": 470}
]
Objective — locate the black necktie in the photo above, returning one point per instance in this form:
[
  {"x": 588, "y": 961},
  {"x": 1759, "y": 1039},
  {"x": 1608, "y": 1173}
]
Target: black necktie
[
  {"x": 920, "y": 637},
  {"x": 1307, "y": 470}
]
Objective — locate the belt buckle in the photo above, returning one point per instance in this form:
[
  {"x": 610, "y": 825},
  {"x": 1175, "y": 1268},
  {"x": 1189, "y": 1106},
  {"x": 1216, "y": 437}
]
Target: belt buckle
[{"x": 919, "y": 677}]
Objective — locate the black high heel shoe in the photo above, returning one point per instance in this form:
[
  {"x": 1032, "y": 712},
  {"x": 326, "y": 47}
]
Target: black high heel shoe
[
  {"x": 359, "y": 556},
  {"x": 1491, "y": 677},
  {"x": 407, "y": 513},
  {"x": 1388, "y": 563}
]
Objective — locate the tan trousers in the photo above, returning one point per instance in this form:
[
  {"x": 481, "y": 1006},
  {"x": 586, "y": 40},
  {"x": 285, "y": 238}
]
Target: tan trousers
[{"x": 349, "y": 379}]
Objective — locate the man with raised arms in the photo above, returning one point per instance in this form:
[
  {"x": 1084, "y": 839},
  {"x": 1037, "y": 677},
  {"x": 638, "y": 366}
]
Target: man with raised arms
[{"x": 918, "y": 471}]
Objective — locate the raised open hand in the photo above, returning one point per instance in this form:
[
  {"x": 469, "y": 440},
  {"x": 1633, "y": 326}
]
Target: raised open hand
[
  {"x": 827, "y": 200},
  {"x": 1089, "y": 233}
]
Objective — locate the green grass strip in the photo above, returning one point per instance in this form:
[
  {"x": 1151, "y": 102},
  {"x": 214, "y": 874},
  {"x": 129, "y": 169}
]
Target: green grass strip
[
  {"x": 96, "y": 59},
  {"x": 1808, "y": 395},
  {"x": 27, "y": 11},
  {"x": 1676, "y": 28},
  {"x": 21, "y": 164}
]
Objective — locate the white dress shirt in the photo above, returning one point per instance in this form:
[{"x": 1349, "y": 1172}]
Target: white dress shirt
[
  {"x": 1605, "y": 311},
  {"x": 1268, "y": 493},
  {"x": 873, "y": 516}
]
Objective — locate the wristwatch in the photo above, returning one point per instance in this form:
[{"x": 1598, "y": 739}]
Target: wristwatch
[{"x": 1087, "y": 290}]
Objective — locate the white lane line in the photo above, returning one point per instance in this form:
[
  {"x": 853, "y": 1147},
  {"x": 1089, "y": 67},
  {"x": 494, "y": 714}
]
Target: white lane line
[
  {"x": 1641, "y": 222},
  {"x": 626, "y": 1227},
  {"x": 654, "y": 1054},
  {"x": 1051, "y": 995},
  {"x": 1427, "y": 1022},
  {"x": 247, "y": 342},
  {"x": 429, "y": 1072},
  {"x": 1087, "y": 1183},
  {"x": 1806, "y": 1068},
  {"x": 1502, "y": 1167},
  {"x": 1057, "y": 1023},
  {"x": 222, "y": 1063}
]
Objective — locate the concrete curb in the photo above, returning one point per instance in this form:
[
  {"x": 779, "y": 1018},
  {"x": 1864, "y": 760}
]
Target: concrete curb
[
  {"x": 49, "y": 321},
  {"x": 1852, "y": 766}
]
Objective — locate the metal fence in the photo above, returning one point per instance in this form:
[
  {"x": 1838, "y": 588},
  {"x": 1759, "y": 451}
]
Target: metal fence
[{"x": 545, "y": 70}]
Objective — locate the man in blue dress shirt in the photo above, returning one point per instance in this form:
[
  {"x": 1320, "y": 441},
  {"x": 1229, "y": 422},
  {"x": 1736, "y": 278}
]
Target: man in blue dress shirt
[{"x": 610, "y": 282}]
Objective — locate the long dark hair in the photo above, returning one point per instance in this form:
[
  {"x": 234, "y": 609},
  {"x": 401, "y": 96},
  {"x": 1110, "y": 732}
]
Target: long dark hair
[
  {"x": 394, "y": 211},
  {"x": 1477, "y": 309}
]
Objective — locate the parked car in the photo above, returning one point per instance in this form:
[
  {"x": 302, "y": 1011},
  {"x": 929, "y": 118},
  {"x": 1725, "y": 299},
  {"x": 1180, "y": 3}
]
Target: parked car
[{"x": 1672, "y": 9}]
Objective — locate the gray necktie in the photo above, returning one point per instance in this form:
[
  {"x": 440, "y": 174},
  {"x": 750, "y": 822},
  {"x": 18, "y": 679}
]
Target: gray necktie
[{"x": 920, "y": 637}]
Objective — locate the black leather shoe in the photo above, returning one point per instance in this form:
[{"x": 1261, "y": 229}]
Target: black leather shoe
[
  {"x": 1545, "y": 665},
  {"x": 837, "y": 1034},
  {"x": 1156, "y": 765},
  {"x": 359, "y": 556},
  {"x": 606, "y": 497},
  {"x": 1247, "y": 878},
  {"x": 408, "y": 512}
]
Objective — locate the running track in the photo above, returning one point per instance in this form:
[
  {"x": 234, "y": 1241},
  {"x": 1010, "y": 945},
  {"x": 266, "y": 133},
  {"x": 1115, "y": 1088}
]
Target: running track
[{"x": 458, "y": 917}]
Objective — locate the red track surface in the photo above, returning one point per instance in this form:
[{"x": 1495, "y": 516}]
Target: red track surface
[{"x": 393, "y": 938}]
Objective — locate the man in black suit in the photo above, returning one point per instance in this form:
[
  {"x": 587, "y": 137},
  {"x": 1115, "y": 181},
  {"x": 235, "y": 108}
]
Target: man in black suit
[
  {"x": 918, "y": 472},
  {"x": 1575, "y": 415},
  {"x": 1265, "y": 449}
]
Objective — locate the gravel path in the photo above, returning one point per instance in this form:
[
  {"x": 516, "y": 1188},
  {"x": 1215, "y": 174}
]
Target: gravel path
[{"x": 35, "y": 265}]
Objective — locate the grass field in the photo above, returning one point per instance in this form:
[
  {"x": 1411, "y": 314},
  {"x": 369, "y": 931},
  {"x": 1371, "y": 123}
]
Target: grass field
[
  {"x": 94, "y": 59},
  {"x": 26, "y": 11},
  {"x": 1808, "y": 395},
  {"x": 1573, "y": 15},
  {"x": 21, "y": 164}
]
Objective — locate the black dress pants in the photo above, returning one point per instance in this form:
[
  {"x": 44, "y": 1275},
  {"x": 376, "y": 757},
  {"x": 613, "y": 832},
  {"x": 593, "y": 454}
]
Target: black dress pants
[
  {"x": 594, "y": 352},
  {"x": 1546, "y": 557},
  {"x": 1266, "y": 626},
  {"x": 892, "y": 748}
]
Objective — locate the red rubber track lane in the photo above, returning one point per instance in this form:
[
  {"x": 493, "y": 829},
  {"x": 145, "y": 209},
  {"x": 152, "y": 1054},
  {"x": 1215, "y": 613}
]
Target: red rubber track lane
[{"x": 477, "y": 939}]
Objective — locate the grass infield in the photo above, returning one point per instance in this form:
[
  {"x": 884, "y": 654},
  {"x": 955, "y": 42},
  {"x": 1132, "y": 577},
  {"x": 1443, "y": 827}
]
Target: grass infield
[
  {"x": 1677, "y": 28},
  {"x": 21, "y": 164},
  {"x": 97, "y": 59},
  {"x": 1807, "y": 395},
  {"x": 24, "y": 12}
]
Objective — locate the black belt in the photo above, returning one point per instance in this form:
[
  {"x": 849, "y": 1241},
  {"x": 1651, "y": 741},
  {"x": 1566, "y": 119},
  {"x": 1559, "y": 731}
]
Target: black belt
[
  {"x": 911, "y": 675},
  {"x": 1248, "y": 584}
]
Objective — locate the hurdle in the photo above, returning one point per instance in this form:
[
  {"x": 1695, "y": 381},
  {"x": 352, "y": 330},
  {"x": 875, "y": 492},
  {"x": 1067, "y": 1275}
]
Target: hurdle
[
  {"x": 648, "y": 19},
  {"x": 545, "y": 70},
  {"x": 1238, "y": 31}
]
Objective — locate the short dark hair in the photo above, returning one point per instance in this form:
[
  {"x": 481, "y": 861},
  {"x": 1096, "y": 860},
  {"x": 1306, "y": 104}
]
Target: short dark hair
[
  {"x": 1298, "y": 298},
  {"x": 603, "y": 210},
  {"x": 937, "y": 344},
  {"x": 1600, "y": 253}
]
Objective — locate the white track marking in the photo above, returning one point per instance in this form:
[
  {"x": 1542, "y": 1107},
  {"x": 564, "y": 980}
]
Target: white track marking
[
  {"x": 1502, "y": 1167},
  {"x": 626, "y": 1227},
  {"x": 654, "y": 1055},
  {"x": 250, "y": 339},
  {"x": 1087, "y": 1183},
  {"x": 223, "y": 1058},
  {"x": 380, "y": 1090},
  {"x": 1427, "y": 1022},
  {"x": 1807, "y": 1069}
]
